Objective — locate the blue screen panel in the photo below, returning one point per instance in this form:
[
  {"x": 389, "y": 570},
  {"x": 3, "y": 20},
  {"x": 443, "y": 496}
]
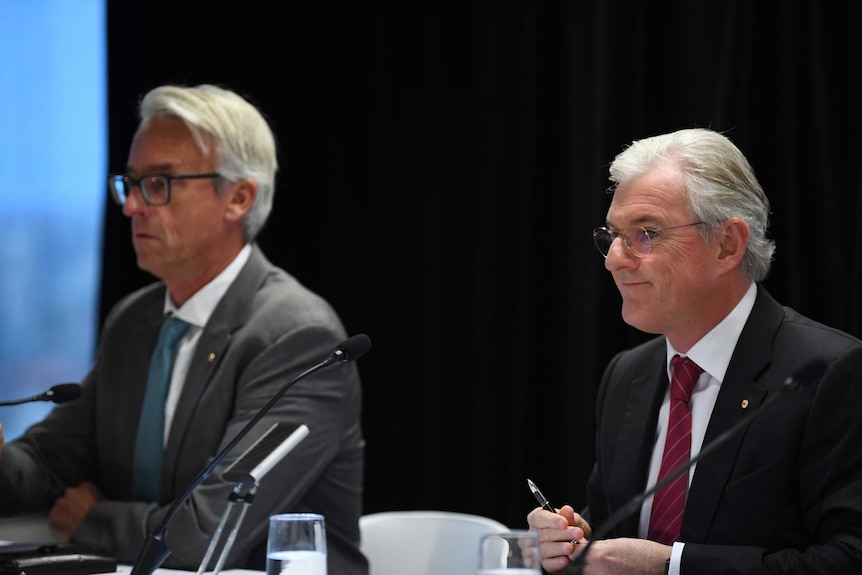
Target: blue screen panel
[{"x": 53, "y": 148}]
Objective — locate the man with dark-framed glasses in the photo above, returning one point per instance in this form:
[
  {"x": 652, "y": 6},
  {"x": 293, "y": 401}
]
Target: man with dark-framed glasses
[{"x": 197, "y": 188}]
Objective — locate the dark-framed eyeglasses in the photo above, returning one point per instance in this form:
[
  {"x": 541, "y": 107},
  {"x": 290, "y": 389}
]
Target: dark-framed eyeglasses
[
  {"x": 155, "y": 188},
  {"x": 636, "y": 238}
]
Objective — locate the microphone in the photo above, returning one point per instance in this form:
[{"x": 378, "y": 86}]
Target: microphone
[
  {"x": 807, "y": 373},
  {"x": 60, "y": 393},
  {"x": 154, "y": 549}
]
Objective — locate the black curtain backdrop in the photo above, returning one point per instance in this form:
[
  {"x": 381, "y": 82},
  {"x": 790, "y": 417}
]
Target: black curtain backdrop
[{"x": 442, "y": 170}]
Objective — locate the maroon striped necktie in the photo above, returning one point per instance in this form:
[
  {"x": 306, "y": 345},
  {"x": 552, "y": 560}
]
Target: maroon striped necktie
[{"x": 669, "y": 503}]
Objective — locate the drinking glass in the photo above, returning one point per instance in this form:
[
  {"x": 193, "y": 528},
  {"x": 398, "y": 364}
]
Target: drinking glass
[
  {"x": 511, "y": 553},
  {"x": 296, "y": 544}
]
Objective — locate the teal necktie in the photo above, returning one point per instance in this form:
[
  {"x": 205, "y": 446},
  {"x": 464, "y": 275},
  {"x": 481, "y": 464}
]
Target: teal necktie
[{"x": 146, "y": 482}]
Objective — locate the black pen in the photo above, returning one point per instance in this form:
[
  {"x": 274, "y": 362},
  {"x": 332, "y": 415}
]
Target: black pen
[{"x": 543, "y": 501}]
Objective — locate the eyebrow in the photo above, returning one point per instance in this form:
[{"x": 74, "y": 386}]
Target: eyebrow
[
  {"x": 643, "y": 222},
  {"x": 158, "y": 169}
]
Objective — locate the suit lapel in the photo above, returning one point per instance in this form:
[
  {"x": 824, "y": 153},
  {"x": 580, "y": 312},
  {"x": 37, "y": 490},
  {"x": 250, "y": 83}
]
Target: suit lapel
[
  {"x": 739, "y": 396},
  {"x": 133, "y": 362},
  {"x": 637, "y": 435},
  {"x": 228, "y": 316}
]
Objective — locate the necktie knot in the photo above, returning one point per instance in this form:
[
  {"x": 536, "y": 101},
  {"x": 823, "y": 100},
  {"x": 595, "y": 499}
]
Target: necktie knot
[
  {"x": 685, "y": 374},
  {"x": 172, "y": 331}
]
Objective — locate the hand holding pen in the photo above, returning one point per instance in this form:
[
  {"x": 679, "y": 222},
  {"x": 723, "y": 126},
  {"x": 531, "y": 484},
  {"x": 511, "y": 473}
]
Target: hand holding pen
[{"x": 543, "y": 501}]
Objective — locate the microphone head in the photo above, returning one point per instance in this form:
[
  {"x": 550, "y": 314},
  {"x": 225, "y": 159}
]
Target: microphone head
[
  {"x": 352, "y": 348},
  {"x": 63, "y": 392}
]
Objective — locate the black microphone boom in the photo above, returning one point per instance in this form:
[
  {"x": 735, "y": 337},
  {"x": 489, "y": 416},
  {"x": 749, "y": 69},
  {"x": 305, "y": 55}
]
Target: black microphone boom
[
  {"x": 154, "y": 550},
  {"x": 60, "y": 393},
  {"x": 810, "y": 371}
]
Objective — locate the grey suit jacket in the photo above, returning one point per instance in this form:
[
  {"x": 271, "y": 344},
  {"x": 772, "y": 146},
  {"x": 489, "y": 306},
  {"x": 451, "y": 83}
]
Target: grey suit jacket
[
  {"x": 265, "y": 331},
  {"x": 782, "y": 496}
]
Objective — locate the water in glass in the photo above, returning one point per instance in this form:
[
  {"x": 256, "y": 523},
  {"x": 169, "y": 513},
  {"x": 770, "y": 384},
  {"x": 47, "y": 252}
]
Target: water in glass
[{"x": 296, "y": 563}]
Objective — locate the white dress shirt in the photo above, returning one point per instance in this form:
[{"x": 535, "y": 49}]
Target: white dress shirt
[{"x": 712, "y": 353}]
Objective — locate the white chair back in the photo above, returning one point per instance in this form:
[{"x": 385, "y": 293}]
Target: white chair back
[{"x": 424, "y": 542}]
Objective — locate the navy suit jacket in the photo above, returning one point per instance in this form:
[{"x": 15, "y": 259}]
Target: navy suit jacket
[{"x": 784, "y": 495}]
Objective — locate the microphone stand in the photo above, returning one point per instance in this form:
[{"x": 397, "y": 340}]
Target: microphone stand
[
  {"x": 810, "y": 371},
  {"x": 236, "y": 474},
  {"x": 154, "y": 549}
]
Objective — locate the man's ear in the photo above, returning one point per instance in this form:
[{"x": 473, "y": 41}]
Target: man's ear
[
  {"x": 242, "y": 196},
  {"x": 733, "y": 242}
]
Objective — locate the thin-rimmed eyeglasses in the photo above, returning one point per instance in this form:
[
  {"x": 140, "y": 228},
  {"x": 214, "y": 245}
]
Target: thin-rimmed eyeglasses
[{"x": 637, "y": 239}]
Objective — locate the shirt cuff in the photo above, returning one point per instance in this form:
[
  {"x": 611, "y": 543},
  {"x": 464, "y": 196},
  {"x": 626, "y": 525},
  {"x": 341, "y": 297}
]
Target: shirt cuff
[{"x": 675, "y": 558}]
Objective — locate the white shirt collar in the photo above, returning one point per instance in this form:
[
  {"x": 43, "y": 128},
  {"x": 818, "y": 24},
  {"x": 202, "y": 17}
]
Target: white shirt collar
[
  {"x": 198, "y": 308},
  {"x": 714, "y": 350}
]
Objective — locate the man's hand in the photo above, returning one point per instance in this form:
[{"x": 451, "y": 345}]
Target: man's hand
[
  {"x": 70, "y": 509},
  {"x": 556, "y": 532}
]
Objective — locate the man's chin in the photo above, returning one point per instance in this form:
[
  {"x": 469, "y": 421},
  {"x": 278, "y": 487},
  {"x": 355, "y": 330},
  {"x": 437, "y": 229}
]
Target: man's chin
[
  {"x": 145, "y": 264},
  {"x": 635, "y": 317}
]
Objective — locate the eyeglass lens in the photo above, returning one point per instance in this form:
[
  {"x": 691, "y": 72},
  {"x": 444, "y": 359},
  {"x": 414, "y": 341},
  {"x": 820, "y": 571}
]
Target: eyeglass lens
[
  {"x": 636, "y": 239},
  {"x": 153, "y": 188}
]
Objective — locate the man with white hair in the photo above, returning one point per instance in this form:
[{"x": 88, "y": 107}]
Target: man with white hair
[
  {"x": 685, "y": 241},
  {"x": 198, "y": 187}
]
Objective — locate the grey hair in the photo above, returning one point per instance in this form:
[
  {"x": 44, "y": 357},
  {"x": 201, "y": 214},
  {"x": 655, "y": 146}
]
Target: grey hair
[
  {"x": 244, "y": 143},
  {"x": 719, "y": 181}
]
